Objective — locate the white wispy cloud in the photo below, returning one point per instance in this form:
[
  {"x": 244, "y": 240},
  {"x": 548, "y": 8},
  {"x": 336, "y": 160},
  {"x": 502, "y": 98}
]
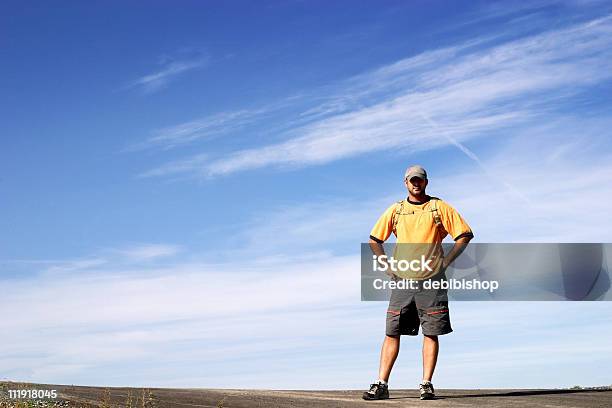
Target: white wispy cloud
[
  {"x": 173, "y": 325},
  {"x": 469, "y": 90},
  {"x": 190, "y": 166},
  {"x": 206, "y": 128},
  {"x": 558, "y": 167},
  {"x": 131, "y": 313},
  {"x": 157, "y": 80},
  {"x": 552, "y": 169},
  {"x": 212, "y": 126},
  {"x": 77, "y": 264},
  {"x": 126, "y": 255},
  {"x": 149, "y": 251}
]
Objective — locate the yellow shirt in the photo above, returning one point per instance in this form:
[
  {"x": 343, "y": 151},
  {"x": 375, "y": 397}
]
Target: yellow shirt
[{"x": 415, "y": 224}]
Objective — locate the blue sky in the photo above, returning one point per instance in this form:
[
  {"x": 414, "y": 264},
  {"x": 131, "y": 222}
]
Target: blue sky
[{"x": 185, "y": 187}]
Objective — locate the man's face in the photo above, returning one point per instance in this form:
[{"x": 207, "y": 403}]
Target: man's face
[{"x": 416, "y": 185}]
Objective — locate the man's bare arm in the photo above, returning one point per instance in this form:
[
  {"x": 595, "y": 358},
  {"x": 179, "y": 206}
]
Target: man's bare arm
[
  {"x": 378, "y": 250},
  {"x": 377, "y": 247},
  {"x": 460, "y": 244}
]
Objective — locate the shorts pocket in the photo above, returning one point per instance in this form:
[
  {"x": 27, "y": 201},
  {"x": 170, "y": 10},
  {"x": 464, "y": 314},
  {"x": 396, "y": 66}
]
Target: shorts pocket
[
  {"x": 436, "y": 320},
  {"x": 436, "y": 310}
]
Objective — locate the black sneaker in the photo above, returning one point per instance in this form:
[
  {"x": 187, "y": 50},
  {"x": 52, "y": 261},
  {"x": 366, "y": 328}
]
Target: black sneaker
[
  {"x": 377, "y": 391},
  {"x": 427, "y": 391}
]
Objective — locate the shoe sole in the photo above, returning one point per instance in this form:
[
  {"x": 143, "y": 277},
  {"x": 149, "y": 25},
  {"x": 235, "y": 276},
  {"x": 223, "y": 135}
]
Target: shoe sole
[
  {"x": 428, "y": 396},
  {"x": 374, "y": 399}
]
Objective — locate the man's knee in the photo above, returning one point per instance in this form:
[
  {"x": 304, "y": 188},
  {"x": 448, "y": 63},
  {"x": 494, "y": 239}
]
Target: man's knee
[
  {"x": 393, "y": 337},
  {"x": 391, "y": 341}
]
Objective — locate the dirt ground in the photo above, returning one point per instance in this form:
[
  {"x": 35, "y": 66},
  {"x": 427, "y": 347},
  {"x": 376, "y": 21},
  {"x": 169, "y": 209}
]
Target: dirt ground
[{"x": 81, "y": 396}]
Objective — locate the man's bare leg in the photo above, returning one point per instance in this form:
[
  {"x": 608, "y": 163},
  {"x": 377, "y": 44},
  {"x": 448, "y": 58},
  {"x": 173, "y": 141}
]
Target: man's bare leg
[
  {"x": 388, "y": 354},
  {"x": 430, "y": 356}
]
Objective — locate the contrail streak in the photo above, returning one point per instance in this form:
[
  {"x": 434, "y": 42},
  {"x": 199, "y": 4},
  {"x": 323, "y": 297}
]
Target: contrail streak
[{"x": 465, "y": 150}]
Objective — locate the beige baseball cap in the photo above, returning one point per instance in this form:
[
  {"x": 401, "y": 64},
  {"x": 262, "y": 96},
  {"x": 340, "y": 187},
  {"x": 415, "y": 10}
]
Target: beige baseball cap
[{"x": 415, "y": 171}]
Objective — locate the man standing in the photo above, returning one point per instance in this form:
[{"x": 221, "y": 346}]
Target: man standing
[{"x": 420, "y": 219}]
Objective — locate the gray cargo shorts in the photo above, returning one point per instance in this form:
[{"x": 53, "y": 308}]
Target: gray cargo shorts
[{"x": 411, "y": 308}]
